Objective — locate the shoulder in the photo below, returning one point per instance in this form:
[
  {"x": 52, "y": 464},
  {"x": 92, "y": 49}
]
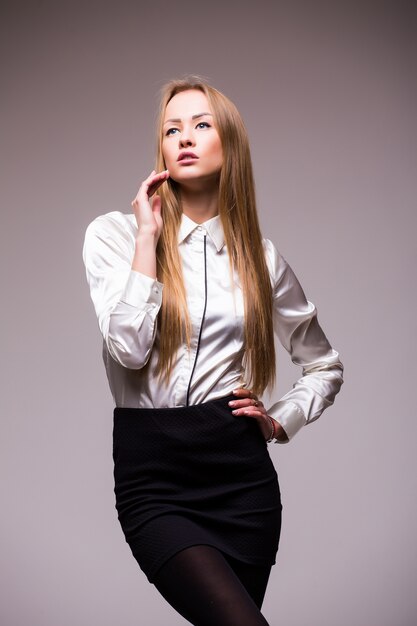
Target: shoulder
[
  {"x": 110, "y": 234},
  {"x": 276, "y": 263},
  {"x": 113, "y": 223}
]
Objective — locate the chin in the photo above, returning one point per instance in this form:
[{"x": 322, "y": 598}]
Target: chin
[
  {"x": 180, "y": 177},
  {"x": 189, "y": 174}
]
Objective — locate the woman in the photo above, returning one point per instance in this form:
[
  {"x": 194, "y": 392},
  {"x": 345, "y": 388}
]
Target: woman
[{"x": 188, "y": 296}]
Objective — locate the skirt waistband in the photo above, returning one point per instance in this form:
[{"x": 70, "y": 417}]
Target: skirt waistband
[{"x": 219, "y": 402}]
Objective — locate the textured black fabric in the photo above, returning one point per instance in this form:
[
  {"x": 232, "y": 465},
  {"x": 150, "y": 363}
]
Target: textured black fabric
[
  {"x": 194, "y": 475},
  {"x": 202, "y": 586}
]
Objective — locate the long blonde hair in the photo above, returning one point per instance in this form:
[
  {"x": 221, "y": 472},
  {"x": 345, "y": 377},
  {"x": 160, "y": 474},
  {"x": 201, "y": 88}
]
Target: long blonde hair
[{"x": 238, "y": 214}]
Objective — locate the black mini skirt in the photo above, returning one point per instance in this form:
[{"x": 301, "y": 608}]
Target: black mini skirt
[{"x": 194, "y": 475}]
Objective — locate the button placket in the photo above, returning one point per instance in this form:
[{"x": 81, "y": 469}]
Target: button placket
[
  {"x": 195, "y": 245},
  {"x": 202, "y": 312}
]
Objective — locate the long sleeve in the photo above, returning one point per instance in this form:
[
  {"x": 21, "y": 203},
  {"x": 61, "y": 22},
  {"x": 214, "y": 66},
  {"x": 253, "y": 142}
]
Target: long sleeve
[
  {"x": 298, "y": 329},
  {"x": 126, "y": 302}
]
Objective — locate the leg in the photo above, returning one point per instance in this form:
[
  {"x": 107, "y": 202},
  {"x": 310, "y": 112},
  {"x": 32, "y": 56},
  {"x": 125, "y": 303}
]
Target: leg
[
  {"x": 253, "y": 577},
  {"x": 201, "y": 585}
]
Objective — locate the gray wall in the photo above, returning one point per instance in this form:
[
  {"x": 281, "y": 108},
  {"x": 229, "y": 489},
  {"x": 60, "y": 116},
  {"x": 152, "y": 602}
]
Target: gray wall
[{"x": 328, "y": 92}]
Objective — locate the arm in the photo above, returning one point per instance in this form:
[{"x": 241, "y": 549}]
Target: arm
[
  {"x": 126, "y": 301},
  {"x": 121, "y": 272},
  {"x": 298, "y": 329},
  {"x": 295, "y": 323}
]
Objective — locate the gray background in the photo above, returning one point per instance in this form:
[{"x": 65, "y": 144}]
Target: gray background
[{"x": 328, "y": 93}]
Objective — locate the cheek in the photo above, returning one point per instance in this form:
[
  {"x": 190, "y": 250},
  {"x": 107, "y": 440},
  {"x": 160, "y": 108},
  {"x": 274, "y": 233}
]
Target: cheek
[
  {"x": 217, "y": 147},
  {"x": 218, "y": 152},
  {"x": 166, "y": 153}
]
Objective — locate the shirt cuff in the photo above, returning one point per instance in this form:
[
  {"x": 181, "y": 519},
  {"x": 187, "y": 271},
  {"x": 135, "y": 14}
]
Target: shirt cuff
[
  {"x": 290, "y": 416},
  {"x": 141, "y": 289}
]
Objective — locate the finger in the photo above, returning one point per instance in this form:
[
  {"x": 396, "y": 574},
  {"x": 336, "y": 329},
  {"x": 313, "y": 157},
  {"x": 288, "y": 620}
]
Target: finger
[
  {"x": 156, "y": 204},
  {"x": 152, "y": 179},
  {"x": 245, "y": 402},
  {"x": 155, "y": 186},
  {"x": 143, "y": 193},
  {"x": 156, "y": 175},
  {"x": 242, "y": 392},
  {"x": 156, "y": 181},
  {"x": 252, "y": 411},
  {"x": 261, "y": 418}
]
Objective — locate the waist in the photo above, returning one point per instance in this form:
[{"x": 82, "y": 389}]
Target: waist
[
  {"x": 170, "y": 411},
  {"x": 143, "y": 389}
]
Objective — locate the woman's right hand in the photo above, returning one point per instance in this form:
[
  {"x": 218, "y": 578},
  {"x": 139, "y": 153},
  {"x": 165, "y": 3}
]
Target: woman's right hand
[{"x": 147, "y": 210}]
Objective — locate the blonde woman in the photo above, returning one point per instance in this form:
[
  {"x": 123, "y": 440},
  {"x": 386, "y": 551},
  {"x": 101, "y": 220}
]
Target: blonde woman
[{"x": 188, "y": 295}]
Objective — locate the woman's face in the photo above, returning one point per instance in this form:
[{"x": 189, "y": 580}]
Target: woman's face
[{"x": 191, "y": 144}]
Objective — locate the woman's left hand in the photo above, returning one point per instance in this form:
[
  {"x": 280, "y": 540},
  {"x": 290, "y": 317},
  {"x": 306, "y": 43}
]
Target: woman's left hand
[{"x": 248, "y": 405}]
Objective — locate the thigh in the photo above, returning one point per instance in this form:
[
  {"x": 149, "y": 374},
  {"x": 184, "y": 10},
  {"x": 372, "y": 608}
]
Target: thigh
[
  {"x": 253, "y": 577},
  {"x": 205, "y": 589}
]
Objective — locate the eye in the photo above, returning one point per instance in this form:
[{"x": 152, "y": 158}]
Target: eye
[
  {"x": 203, "y": 125},
  {"x": 170, "y": 131}
]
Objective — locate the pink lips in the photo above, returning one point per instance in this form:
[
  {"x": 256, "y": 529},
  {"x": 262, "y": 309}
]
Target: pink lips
[{"x": 187, "y": 156}]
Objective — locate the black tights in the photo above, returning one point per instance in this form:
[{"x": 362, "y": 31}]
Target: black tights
[{"x": 211, "y": 589}]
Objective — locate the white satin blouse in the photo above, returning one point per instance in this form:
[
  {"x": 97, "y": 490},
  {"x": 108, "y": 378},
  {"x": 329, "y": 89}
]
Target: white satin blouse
[{"x": 127, "y": 304}]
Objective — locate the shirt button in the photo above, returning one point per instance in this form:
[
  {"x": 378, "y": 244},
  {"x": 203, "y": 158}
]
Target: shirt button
[{"x": 199, "y": 228}]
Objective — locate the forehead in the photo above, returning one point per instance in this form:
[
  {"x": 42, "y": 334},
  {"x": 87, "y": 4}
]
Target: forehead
[{"x": 186, "y": 104}]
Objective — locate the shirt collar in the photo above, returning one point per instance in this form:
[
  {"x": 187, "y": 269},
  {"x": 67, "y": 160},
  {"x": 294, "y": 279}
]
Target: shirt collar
[{"x": 213, "y": 227}]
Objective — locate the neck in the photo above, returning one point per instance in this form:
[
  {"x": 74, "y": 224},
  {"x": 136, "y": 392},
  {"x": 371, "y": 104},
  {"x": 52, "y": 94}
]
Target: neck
[{"x": 200, "y": 204}]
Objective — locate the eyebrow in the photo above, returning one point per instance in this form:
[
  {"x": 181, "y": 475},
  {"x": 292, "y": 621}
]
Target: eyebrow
[{"x": 177, "y": 120}]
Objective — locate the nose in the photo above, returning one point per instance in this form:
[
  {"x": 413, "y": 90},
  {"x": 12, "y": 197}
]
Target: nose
[{"x": 186, "y": 138}]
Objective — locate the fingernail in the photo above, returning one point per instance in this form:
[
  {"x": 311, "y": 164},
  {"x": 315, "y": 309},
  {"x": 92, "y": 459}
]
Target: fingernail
[
  {"x": 234, "y": 412},
  {"x": 232, "y": 403}
]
